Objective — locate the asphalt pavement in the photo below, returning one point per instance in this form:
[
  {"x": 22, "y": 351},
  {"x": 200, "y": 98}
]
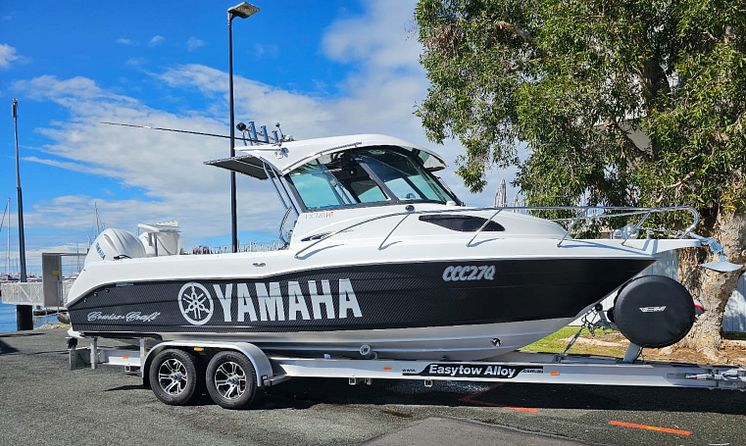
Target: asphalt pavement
[{"x": 44, "y": 403}]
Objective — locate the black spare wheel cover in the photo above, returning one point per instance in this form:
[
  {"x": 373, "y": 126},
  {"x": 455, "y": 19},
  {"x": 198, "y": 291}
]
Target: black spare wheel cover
[{"x": 654, "y": 311}]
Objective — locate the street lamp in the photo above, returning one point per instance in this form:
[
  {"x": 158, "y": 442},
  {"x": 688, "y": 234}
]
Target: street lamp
[{"x": 242, "y": 10}]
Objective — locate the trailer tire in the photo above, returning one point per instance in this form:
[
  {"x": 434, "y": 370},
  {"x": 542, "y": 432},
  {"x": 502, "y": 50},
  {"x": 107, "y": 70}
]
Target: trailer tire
[
  {"x": 231, "y": 380},
  {"x": 174, "y": 377}
]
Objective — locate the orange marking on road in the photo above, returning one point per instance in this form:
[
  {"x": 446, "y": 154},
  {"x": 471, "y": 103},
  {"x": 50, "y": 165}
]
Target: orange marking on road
[
  {"x": 648, "y": 427},
  {"x": 523, "y": 409}
]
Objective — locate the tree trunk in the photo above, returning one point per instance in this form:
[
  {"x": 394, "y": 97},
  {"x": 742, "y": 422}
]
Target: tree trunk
[{"x": 713, "y": 288}]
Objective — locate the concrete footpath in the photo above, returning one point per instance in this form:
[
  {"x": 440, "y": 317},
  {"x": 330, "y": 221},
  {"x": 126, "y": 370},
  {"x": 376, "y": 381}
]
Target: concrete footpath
[{"x": 43, "y": 403}]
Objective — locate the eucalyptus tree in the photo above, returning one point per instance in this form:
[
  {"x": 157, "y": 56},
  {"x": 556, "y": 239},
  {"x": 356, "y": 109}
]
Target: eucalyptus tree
[{"x": 620, "y": 102}]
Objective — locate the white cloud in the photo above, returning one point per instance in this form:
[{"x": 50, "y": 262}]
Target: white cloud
[
  {"x": 68, "y": 92},
  {"x": 124, "y": 41},
  {"x": 383, "y": 38},
  {"x": 136, "y": 61},
  {"x": 156, "y": 40},
  {"x": 68, "y": 165},
  {"x": 265, "y": 50},
  {"x": 194, "y": 44},
  {"x": 8, "y": 54}
]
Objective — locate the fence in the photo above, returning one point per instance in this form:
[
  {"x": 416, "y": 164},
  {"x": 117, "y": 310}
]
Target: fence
[
  {"x": 22, "y": 293},
  {"x": 249, "y": 247},
  {"x": 32, "y": 293},
  {"x": 734, "y": 319}
]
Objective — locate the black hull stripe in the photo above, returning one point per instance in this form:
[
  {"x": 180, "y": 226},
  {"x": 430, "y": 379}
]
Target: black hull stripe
[{"x": 388, "y": 296}]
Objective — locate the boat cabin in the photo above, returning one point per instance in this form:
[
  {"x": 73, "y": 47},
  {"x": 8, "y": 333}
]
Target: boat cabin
[{"x": 345, "y": 172}]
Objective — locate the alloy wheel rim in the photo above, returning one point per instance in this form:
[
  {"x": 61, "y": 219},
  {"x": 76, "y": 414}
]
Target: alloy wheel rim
[
  {"x": 172, "y": 376},
  {"x": 230, "y": 380}
]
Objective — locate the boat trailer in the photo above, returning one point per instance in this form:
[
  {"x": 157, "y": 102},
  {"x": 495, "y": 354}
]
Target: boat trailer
[{"x": 517, "y": 367}]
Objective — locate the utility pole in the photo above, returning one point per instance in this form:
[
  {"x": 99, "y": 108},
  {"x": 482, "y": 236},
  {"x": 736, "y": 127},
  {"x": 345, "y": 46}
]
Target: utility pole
[{"x": 24, "y": 314}]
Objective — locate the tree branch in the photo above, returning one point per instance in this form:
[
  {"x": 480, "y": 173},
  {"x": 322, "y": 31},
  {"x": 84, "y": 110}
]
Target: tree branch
[
  {"x": 677, "y": 185},
  {"x": 516, "y": 30}
]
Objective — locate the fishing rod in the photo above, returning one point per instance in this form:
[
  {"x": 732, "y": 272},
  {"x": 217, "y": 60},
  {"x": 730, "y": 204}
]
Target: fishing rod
[{"x": 253, "y": 138}]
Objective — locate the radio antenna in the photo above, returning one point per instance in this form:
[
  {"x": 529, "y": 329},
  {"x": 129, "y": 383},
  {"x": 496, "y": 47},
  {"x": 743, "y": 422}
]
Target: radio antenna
[
  {"x": 167, "y": 129},
  {"x": 282, "y": 135},
  {"x": 253, "y": 136}
]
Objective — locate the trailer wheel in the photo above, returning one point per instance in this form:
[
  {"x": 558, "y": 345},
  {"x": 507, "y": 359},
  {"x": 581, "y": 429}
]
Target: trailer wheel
[
  {"x": 173, "y": 377},
  {"x": 231, "y": 380}
]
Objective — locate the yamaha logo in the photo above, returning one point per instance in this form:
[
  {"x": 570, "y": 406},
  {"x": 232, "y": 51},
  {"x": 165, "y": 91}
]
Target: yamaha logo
[
  {"x": 268, "y": 302},
  {"x": 195, "y": 303}
]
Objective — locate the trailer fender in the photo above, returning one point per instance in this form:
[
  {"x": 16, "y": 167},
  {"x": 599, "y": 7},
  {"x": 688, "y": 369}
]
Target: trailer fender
[{"x": 259, "y": 360}]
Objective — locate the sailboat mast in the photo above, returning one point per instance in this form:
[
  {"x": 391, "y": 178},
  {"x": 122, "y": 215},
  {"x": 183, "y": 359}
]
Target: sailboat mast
[{"x": 98, "y": 219}]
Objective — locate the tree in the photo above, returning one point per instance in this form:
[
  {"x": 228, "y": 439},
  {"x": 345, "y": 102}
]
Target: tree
[{"x": 575, "y": 80}]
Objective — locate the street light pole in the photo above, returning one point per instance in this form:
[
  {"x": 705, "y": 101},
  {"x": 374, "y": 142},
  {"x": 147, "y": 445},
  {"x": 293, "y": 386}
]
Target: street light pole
[
  {"x": 24, "y": 314},
  {"x": 242, "y": 10}
]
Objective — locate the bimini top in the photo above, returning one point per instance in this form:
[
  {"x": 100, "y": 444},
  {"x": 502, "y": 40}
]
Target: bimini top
[{"x": 289, "y": 155}]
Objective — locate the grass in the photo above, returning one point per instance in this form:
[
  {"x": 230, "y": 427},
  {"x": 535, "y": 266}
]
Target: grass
[{"x": 557, "y": 341}]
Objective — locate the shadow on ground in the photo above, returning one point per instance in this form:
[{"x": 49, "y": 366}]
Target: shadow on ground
[
  {"x": 303, "y": 393},
  {"x": 6, "y": 349},
  {"x": 306, "y": 393}
]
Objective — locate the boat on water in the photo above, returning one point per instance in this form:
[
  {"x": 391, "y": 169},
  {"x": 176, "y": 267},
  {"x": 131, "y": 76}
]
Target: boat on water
[{"x": 380, "y": 259}]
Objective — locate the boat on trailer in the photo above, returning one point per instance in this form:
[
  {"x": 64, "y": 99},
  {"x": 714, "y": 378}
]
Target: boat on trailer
[
  {"x": 380, "y": 257},
  {"x": 384, "y": 273}
]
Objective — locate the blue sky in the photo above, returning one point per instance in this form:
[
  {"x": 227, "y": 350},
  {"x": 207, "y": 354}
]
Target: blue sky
[{"x": 319, "y": 67}]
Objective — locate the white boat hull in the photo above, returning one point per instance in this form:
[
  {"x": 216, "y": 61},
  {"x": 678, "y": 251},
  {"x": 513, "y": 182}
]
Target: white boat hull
[{"x": 457, "y": 343}]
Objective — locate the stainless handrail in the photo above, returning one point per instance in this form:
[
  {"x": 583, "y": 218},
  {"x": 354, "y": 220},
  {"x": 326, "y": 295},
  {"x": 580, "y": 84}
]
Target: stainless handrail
[
  {"x": 629, "y": 211},
  {"x": 642, "y": 211},
  {"x": 484, "y": 225},
  {"x": 572, "y": 224},
  {"x": 380, "y": 246}
]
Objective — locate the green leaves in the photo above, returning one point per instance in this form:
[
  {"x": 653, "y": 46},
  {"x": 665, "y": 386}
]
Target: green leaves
[{"x": 586, "y": 84}]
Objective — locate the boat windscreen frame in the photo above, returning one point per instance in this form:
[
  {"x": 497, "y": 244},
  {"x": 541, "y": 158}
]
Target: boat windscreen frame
[
  {"x": 392, "y": 198},
  {"x": 292, "y": 198}
]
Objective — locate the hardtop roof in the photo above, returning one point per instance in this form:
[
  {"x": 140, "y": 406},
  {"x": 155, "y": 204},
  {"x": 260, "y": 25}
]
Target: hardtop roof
[{"x": 289, "y": 155}]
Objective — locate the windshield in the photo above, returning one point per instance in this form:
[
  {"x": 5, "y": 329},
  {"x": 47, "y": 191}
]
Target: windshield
[
  {"x": 366, "y": 176},
  {"x": 404, "y": 177}
]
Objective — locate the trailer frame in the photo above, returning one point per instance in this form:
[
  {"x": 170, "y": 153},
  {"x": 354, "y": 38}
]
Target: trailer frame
[{"x": 516, "y": 367}]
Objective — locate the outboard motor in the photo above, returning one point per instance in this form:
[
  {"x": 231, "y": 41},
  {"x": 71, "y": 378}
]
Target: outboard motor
[
  {"x": 114, "y": 244},
  {"x": 653, "y": 311}
]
